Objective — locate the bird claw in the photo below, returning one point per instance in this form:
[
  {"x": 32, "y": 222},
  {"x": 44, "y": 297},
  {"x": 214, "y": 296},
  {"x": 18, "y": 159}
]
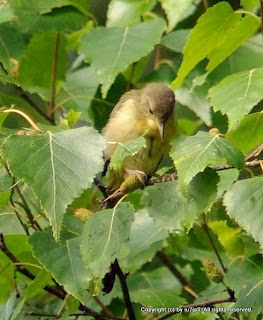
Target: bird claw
[{"x": 140, "y": 175}]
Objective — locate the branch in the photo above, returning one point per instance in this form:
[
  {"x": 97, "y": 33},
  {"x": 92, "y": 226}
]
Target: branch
[
  {"x": 168, "y": 263},
  {"x": 196, "y": 305},
  {"x": 125, "y": 291},
  {"x": 206, "y": 229}
]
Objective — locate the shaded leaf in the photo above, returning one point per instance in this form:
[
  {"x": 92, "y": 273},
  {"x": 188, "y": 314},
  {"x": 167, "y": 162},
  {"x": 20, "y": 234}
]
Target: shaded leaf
[
  {"x": 218, "y": 33},
  {"x": 58, "y": 167},
  {"x": 36, "y": 65},
  {"x": 105, "y": 236},
  {"x": 63, "y": 260},
  {"x": 157, "y": 298},
  {"x": 237, "y": 94},
  {"x": 78, "y": 90},
  {"x": 251, "y": 296},
  {"x": 227, "y": 177},
  {"x": 196, "y": 100},
  {"x": 193, "y": 154},
  {"x": 121, "y": 47},
  {"x": 33, "y": 16},
  {"x": 249, "y": 133},
  {"x": 177, "y": 211},
  {"x": 145, "y": 239},
  {"x": 12, "y": 45},
  {"x": 176, "y": 40},
  {"x": 244, "y": 203},
  {"x": 125, "y": 149},
  {"x": 122, "y": 13}
]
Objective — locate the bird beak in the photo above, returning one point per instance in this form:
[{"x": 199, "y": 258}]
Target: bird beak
[{"x": 161, "y": 130}]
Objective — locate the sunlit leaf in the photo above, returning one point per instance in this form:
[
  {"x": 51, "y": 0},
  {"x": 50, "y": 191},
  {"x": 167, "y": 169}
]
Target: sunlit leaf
[
  {"x": 122, "y": 13},
  {"x": 218, "y": 33}
]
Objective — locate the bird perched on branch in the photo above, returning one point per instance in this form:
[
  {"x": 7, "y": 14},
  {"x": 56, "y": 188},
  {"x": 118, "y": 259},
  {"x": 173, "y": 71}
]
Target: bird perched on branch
[{"x": 149, "y": 113}]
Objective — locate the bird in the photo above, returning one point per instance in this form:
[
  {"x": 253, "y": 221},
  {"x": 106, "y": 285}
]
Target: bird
[{"x": 147, "y": 112}]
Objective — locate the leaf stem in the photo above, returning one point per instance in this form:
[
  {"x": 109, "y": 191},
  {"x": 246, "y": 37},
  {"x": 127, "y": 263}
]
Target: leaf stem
[
  {"x": 206, "y": 229},
  {"x": 168, "y": 263},
  {"x": 25, "y": 116}
]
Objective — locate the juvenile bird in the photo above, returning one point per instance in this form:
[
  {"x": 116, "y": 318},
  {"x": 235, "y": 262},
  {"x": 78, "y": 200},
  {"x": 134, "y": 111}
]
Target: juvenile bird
[{"x": 149, "y": 113}]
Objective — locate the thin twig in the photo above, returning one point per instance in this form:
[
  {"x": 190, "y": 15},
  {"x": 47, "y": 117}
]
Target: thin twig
[
  {"x": 168, "y": 263},
  {"x": 195, "y": 305},
  {"x": 206, "y": 229},
  {"x": 125, "y": 291}
]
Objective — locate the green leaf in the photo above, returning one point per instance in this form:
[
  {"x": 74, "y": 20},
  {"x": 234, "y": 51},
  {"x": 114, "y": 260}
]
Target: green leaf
[
  {"x": 218, "y": 33},
  {"x": 78, "y": 90},
  {"x": 176, "y": 40},
  {"x": 33, "y": 16},
  {"x": 36, "y": 286},
  {"x": 237, "y": 94},
  {"x": 145, "y": 239},
  {"x": 251, "y": 296},
  {"x": 105, "y": 236},
  {"x": 195, "y": 99},
  {"x": 122, "y": 13},
  {"x": 124, "y": 46},
  {"x": 12, "y": 46},
  {"x": 228, "y": 237},
  {"x": 177, "y": 211},
  {"x": 36, "y": 66},
  {"x": 58, "y": 167},
  {"x": 63, "y": 260},
  {"x": 6, "y": 13},
  {"x": 125, "y": 149},
  {"x": 4, "y": 198},
  {"x": 227, "y": 177},
  {"x": 193, "y": 154},
  {"x": 244, "y": 203},
  {"x": 177, "y": 10},
  {"x": 156, "y": 298},
  {"x": 249, "y": 133}
]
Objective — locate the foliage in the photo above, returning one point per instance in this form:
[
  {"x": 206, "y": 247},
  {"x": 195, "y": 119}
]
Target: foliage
[{"x": 63, "y": 66}]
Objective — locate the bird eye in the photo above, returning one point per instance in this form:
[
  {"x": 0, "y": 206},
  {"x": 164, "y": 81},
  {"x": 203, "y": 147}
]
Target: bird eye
[{"x": 150, "y": 110}]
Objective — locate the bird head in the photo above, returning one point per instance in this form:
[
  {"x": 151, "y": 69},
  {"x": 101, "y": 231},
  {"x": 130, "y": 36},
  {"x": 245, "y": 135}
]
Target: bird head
[{"x": 159, "y": 104}]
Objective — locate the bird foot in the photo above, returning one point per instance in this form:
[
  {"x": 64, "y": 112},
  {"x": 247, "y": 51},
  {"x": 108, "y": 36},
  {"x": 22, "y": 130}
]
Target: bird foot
[{"x": 138, "y": 174}]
